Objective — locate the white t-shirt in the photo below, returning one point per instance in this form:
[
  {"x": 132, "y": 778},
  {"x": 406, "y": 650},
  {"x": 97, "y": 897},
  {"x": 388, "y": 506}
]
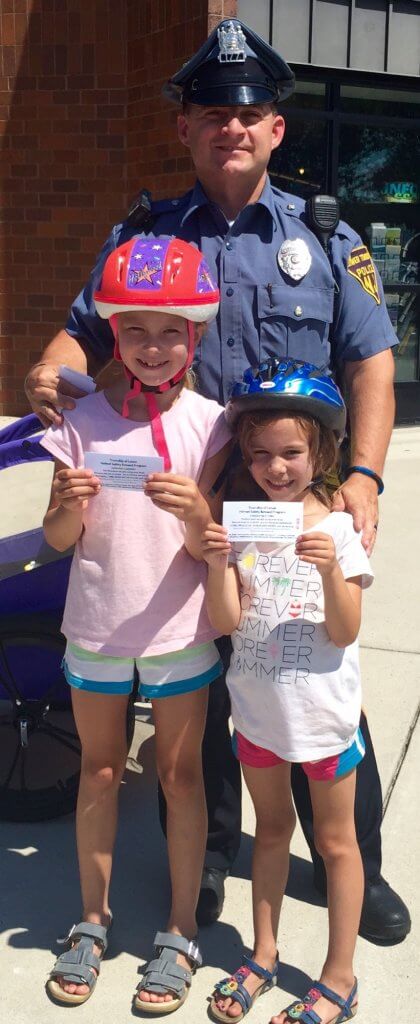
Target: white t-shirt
[{"x": 292, "y": 690}]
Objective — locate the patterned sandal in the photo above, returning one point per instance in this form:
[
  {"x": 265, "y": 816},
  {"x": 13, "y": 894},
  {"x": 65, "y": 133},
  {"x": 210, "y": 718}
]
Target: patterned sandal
[
  {"x": 302, "y": 1010},
  {"x": 164, "y": 976},
  {"x": 233, "y": 988},
  {"x": 79, "y": 965}
]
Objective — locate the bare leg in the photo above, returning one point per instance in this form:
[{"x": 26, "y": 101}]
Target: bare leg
[
  {"x": 101, "y": 724},
  {"x": 180, "y": 723},
  {"x": 335, "y": 840},
  {"x": 271, "y": 795}
]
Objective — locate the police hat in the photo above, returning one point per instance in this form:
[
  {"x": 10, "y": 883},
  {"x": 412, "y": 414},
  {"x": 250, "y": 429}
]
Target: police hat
[{"x": 234, "y": 67}]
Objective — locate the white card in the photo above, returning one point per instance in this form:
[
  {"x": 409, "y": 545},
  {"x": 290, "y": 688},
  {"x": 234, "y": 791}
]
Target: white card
[
  {"x": 79, "y": 380},
  {"x": 124, "y": 472},
  {"x": 263, "y": 520}
]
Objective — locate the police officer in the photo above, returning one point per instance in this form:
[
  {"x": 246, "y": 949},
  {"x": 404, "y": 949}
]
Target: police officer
[{"x": 280, "y": 294}]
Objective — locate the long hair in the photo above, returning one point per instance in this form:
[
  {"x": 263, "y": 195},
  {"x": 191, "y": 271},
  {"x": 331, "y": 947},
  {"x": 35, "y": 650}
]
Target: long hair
[{"x": 323, "y": 453}]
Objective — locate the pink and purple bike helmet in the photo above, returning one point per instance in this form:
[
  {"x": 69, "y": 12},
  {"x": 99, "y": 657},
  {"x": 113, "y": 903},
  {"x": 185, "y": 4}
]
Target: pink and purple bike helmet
[{"x": 166, "y": 275}]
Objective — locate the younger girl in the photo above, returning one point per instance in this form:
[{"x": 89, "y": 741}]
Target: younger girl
[
  {"x": 136, "y": 596},
  {"x": 294, "y": 611}
]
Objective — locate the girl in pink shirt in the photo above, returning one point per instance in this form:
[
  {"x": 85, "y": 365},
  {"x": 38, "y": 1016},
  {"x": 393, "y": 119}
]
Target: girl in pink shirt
[{"x": 136, "y": 596}]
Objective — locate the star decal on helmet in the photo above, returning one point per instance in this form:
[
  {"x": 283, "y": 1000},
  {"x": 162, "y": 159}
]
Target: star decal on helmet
[{"x": 144, "y": 274}]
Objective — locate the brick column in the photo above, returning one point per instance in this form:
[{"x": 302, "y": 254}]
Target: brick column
[
  {"x": 83, "y": 126},
  {"x": 161, "y": 37},
  {"x": 63, "y": 110}
]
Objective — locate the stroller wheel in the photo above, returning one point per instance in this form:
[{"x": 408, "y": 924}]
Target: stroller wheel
[{"x": 39, "y": 745}]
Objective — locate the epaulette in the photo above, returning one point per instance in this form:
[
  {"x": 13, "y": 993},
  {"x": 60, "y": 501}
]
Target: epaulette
[
  {"x": 144, "y": 211},
  {"x": 161, "y": 206},
  {"x": 346, "y": 231},
  {"x": 295, "y": 207}
]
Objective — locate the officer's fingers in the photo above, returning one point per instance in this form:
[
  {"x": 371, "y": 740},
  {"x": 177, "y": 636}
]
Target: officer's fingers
[
  {"x": 48, "y": 414},
  {"x": 369, "y": 526},
  {"x": 64, "y": 401},
  {"x": 46, "y": 421},
  {"x": 369, "y": 538},
  {"x": 338, "y": 503}
]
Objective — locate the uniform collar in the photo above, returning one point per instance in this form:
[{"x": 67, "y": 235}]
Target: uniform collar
[{"x": 199, "y": 198}]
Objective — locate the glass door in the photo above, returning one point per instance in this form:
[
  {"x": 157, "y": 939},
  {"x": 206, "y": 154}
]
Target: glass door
[
  {"x": 379, "y": 191},
  {"x": 363, "y": 145}
]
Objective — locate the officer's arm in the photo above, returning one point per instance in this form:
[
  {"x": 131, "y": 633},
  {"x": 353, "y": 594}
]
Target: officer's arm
[
  {"x": 370, "y": 389},
  {"x": 371, "y": 404},
  {"x": 67, "y": 351},
  {"x": 45, "y": 394}
]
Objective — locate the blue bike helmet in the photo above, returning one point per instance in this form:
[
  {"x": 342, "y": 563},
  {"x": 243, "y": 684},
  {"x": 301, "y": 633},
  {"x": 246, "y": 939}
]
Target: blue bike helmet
[{"x": 289, "y": 385}]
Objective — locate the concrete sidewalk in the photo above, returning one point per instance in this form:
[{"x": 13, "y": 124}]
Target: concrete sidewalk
[{"x": 38, "y": 865}]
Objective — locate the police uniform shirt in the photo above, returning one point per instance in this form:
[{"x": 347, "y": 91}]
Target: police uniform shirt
[{"x": 326, "y": 313}]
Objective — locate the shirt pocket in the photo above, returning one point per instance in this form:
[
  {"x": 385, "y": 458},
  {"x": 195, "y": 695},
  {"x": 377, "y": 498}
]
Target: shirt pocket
[{"x": 295, "y": 321}]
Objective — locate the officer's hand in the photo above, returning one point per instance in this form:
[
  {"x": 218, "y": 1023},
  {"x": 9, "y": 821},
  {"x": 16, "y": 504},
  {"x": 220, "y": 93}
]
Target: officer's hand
[
  {"x": 41, "y": 387},
  {"x": 359, "y": 496}
]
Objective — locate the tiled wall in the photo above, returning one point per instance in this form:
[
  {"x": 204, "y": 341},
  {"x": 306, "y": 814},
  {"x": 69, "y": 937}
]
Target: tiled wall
[{"x": 82, "y": 127}]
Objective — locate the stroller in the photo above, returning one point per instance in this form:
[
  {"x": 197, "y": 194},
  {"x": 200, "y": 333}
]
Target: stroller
[{"x": 39, "y": 745}]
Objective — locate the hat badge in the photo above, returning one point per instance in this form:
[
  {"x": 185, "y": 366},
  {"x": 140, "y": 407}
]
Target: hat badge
[{"x": 231, "y": 43}]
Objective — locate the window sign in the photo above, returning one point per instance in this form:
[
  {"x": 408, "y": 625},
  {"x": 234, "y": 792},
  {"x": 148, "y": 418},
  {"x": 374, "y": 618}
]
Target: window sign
[{"x": 401, "y": 192}]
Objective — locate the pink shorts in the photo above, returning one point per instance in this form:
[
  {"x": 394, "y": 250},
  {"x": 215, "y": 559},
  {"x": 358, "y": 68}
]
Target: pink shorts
[{"x": 328, "y": 768}]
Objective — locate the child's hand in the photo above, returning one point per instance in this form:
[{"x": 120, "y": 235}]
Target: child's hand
[
  {"x": 215, "y": 546},
  {"x": 72, "y": 488},
  {"x": 318, "y": 548},
  {"x": 176, "y": 494}
]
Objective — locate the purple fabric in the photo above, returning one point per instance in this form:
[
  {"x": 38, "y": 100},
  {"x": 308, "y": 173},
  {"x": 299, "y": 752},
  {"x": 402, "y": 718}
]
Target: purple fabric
[
  {"x": 204, "y": 279},
  {"x": 18, "y": 445},
  {"x": 146, "y": 264},
  {"x": 20, "y": 428}
]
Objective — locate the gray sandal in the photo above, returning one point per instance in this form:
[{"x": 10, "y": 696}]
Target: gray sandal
[
  {"x": 163, "y": 975},
  {"x": 79, "y": 965}
]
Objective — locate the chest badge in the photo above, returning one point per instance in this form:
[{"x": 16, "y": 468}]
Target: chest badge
[{"x": 294, "y": 258}]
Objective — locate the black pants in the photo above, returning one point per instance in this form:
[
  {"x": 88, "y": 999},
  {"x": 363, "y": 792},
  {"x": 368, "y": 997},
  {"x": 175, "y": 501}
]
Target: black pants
[
  {"x": 223, "y": 790},
  {"x": 368, "y": 810}
]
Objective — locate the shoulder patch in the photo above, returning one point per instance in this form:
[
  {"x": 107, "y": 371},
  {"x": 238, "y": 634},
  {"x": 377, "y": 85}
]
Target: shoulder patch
[{"x": 360, "y": 266}]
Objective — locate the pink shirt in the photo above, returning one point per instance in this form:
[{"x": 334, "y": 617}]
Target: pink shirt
[{"x": 134, "y": 590}]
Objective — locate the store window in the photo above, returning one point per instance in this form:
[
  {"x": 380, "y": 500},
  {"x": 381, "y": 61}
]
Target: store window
[
  {"x": 363, "y": 145},
  {"x": 379, "y": 191},
  {"x": 385, "y": 102},
  {"x": 299, "y": 165}
]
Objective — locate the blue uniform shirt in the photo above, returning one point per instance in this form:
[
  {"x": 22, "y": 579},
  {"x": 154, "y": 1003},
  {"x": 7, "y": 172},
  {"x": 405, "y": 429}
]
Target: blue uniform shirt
[{"x": 263, "y": 310}]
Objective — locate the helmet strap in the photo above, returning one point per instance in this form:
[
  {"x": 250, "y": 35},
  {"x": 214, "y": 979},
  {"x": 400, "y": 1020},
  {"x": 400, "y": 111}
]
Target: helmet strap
[
  {"x": 137, "y": 387},
  {"x": 158, "y": 434}
]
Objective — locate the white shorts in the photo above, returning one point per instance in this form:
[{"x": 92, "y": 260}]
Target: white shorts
[{"x": 163, "y": 675}]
